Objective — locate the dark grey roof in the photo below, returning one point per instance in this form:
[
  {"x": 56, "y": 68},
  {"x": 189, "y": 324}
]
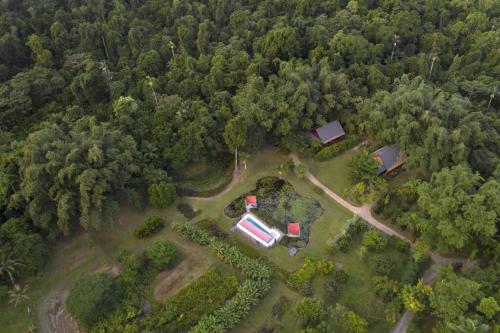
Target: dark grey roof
[
  {"x": 390, "y": 156},
  {"x": 329, "y": 131}
]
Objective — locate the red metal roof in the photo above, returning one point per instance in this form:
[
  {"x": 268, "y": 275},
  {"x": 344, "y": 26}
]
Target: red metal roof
[
  {"x": 251, "y": 200},
  {"x": 294, "y": 229},
  {"x": 266, "y": 238}
]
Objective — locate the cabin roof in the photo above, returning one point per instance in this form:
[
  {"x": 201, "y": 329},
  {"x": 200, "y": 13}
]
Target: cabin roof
[{"x": 330, "y": 131}]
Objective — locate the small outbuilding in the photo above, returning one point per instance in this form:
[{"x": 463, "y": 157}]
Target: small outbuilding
[
  {"x": 250, "y": 202},
  {"x": 293, "y": 251},
  {"x": 330, "y": 132},
  {"x": 294, "y": 230},
  {"x": 389, "y": 158}
]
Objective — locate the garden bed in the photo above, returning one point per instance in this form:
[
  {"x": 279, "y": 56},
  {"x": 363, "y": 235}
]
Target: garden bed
[{"x": 278, "y": 204}]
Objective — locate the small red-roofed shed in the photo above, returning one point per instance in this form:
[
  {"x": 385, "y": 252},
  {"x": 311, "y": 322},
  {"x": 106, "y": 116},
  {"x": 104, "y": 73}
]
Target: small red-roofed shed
[
  {"x": 293, "y": 229},
  {"x": 251, "y": 202}
]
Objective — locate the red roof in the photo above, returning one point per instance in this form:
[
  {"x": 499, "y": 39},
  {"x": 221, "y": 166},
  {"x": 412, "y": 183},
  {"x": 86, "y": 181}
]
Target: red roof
[
  {"x": 251, "y": 200},
  {"x": 294, "y": 229}
]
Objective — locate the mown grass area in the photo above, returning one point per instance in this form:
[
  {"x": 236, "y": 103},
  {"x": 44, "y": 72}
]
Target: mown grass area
[
  {"x": 333, "y": 173},
  {"x": 205, "y": 179}
]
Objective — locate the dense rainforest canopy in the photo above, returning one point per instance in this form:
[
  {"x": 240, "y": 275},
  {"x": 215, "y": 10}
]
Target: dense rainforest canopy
[{"x": 100, "y": 100}]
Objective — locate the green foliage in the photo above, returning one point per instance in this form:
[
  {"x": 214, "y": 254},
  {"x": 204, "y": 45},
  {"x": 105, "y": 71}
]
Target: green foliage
[
  {"x": 161, "y": 195},
  {"x": 416, "y": 297},
  {"x": 458, "y": 209},
  {"x": 161, "y": 255},
  {"x": 186, "y": 210},
  {"x": 342, "y": 240},
  {"x": 334, "y": 283},
  {"x": 374, "y": 240},
  {"x": 76, "y": 174},
  {"x": 452, "y": 296},
  {"x": 151, "y": 225},
  {"x": 489, "y": 307},
  {"x": 92, "y": 298},
  {"x": 301, "y": 279},
  {"x": 310, "y": 311},
  {"x": 346, "y": 320},
  {"x": 336, "y": 149},
  {"x": 189, "y": 304},
  {"x": 385, "y": 288}
]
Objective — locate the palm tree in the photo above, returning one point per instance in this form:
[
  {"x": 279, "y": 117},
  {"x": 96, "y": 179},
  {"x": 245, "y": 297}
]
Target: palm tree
[
  {"x": 8, "y": 266},
  {"x": 467, "y": 325},
  {"x": 150, "y": 83},
  {"x": 18, "y": 295},
  {"x": 172, "y": 47}
]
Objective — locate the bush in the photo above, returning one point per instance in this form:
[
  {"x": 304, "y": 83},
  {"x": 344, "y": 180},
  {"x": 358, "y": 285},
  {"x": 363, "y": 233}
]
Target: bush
[
  {"x": 334, "y": 283},
  {"x": 336, "y": 149},
  {"x": 151, "y": 225},
  {"x": 186, "y": 210},
  {"x": 161, "y": 255},
  {"x": 301, "y": 279},
  {"x": 374, "y": 240},
  {"x": 343, "y": 240},
  {"x": 247, "y": 296},
  {"x": 348, "y": 321},
  {"x": 212, "y": 228},
  {"x": 385, "y": 288},
  {"x": 161, "y": 195},
  {"x": 310, "y": 311},
  {"x": 92, "y": 298},
  {"x": 204, "y": 295},
  {"x": 383, "y": 265}
]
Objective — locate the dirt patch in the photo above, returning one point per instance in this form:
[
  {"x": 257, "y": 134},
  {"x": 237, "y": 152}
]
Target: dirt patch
[
  {"x": 60, "y": 320},
  {"x": 167, "y": 283}
]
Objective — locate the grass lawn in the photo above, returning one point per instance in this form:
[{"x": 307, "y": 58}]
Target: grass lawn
[{"x": 333, "y": 173}]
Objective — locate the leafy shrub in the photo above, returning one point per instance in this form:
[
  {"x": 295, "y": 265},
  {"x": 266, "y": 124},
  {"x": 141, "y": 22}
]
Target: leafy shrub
[
  {"x": 348, "y": 320},
  {"x": 212, "y": 228},
  {"x": 310, "y": 311},
  {"x": 204, "y": 295},
  {"x": 385, "y": 288},
  {"x": 151, "y": 225},
  {"x": 336, "y": 149},
  {"x": 92, "y": 298},
  {"x": 374, "y": 240},
  {"x": 342, "y": 241},
  {"x": 301, "y": 279},
  {"x": 334, "y": 283},
  {"x": 382, "y": 264},
  {"x": 162, "y": 194},
  {"x": 161, "y": 255},
  {"x": 318, "y": 190},
  {"x": 186, "y": 210},
  {"x": 247, "y": 296}
]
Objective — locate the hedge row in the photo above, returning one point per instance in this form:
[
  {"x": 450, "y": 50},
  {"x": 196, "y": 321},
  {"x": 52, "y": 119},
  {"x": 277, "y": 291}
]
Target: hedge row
[
  {"x": 342, "y": 241},
  {"x": 228, "y": 316},
  {"x": 336, "y": 149},
  {"x": 181, "y": 311},
  {"x": 248, "y": 294},
  {"x": 151, "y": 225},
  {"x": 250, "y": 267}
]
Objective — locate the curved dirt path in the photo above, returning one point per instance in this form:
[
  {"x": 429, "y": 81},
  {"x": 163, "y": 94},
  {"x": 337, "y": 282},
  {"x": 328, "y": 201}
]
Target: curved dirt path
[
  {"x": 229, "y": 187},
  {"x": 365, "y": 212}
]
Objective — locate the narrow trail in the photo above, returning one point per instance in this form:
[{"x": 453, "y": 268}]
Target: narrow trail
[{"x": 365, "y": 213}]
